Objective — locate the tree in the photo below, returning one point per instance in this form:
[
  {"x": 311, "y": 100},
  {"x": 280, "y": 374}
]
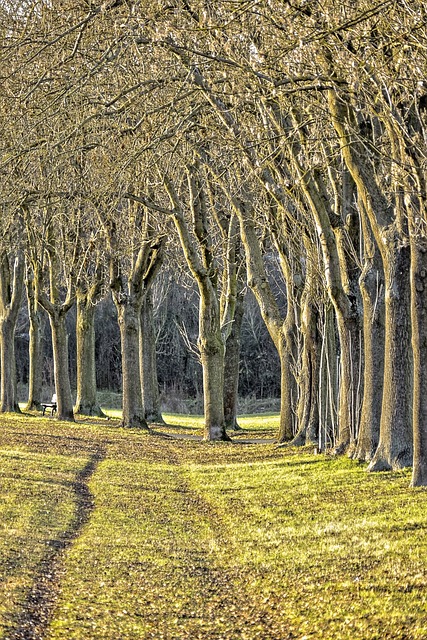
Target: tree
[
  {"x": 199, "y": 254},
  {"x": 36, "y": 316},
  {"x": 388, "y": 226},
  {"x": 148, "y": 362},
  {"x": 55, "y": 285},
  {"x": 133, "y": 268},
  {"x": 87, "y": 297},
  {"x": 12, "y": 269}
]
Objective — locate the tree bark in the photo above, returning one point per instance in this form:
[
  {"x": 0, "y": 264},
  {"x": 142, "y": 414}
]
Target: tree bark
[
  {"x": 419, "y": 350},
  {"x": 212, "y": 353},
  {"x": 86, "y": 398},
  {"x": 232, "y": 365},
  {"x": 129, "y": 324},
  {"x": 61, "y": 366},
  {"x": 372, "y": 289},
  {"x": 328, "y": 382},
  {"x": 11, "y": 287},
  {"x": 349, "y": 337},
  {"x": 388, "y": 227},
  {"x": 286, "y": 432},
  {"x": 36, "y": 332},
  {"x": 395, "y": 447},
  {"x": 8, "y": 367},
  {"x": 308, "y": 412},
  {"x": 148, "y": 363}
]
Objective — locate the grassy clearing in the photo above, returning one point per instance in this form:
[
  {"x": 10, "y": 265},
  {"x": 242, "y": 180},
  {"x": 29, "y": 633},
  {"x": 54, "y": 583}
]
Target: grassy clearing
[
  {"x": 257, "y": 425},
  {"x": 193, "y": 540}
]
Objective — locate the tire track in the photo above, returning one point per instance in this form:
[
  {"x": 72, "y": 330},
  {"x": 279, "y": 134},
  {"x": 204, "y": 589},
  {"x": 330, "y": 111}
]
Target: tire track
[{"x": 37, "y": 610}]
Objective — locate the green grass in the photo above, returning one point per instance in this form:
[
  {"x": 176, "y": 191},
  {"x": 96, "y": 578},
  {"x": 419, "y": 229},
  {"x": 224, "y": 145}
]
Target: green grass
[{"x": 195, "y": 540}]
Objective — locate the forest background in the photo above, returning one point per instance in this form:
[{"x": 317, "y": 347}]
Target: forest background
[{"x": 273, "y": 146}]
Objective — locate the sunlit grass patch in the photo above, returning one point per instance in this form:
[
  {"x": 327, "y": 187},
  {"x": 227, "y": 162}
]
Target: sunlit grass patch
[
  {"x": 192, "y": 540},
  {"x": 37, "y": 504},
  {"x": 264, "y": 424},
  {"x": 148, "y": 545},
  {"x": 260, "y": 422},
  {"x": 299, "y": 544},
  {"x": 338, "y": 550},
  {"x": 115, "y": 414}
]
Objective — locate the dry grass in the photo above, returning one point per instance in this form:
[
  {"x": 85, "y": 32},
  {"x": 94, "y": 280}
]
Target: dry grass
[{"x": 191, "y": 540}]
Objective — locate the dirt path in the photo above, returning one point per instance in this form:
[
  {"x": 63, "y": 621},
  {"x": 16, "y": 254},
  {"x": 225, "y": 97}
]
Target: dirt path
[{"x": 38, "y": 608}]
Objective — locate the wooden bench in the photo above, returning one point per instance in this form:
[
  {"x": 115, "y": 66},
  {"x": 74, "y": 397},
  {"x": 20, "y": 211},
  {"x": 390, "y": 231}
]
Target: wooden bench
[{"x": 50, "y": 405}]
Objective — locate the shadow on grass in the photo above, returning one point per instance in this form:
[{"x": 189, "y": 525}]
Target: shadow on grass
[{"x": 37, "y": 609}]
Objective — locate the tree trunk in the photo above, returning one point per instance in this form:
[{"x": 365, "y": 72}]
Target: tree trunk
[
  {"x": 86, "y": 399},
  {"x": 231, "y": 368},
  {"x": 9, "y": 401},
  {"x": 372, "y": 289},
  {"x": 129, "y": 324},
  {"x": 286, "y": 432},
  {"x": 388, "y": 226},
  {"x": 212, "y": 353},
  {"x": 11, "y": 286},
  {"x": 395, "y": 445},
  {"x": 148, "y": 363},
  {"x": 328, "y": 382},
  {"x": 308, "y": 413},
  {"x": 61, "y": 370},
  {"x": 419, "y": 348},
  {"x": 36, "y": 332},
  {"x": 349, "y": 342},
  {"x": 212, "y": 359}
]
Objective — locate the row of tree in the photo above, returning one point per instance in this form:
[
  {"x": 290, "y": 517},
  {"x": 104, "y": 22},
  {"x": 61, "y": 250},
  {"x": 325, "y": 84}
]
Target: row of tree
[
  {"x": 249, "y": 131},
  {"x": 175, "y": 311}
]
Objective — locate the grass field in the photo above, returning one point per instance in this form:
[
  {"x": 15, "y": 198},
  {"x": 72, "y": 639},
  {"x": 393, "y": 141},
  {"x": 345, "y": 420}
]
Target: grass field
[{"x": 108, "y": 533}]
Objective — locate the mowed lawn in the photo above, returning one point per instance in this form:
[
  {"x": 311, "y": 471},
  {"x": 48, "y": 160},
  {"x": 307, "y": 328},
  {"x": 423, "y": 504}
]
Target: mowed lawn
[{"x": 115, "y": 534}]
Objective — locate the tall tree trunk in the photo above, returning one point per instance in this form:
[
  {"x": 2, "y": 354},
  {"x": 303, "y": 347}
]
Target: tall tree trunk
[
  {"x": 212, "y": 353},
  {"x": 312, "y": 428},
  {"x": 280, "y": 329},
  {"x": 36, "y": 332},
  {"x": 328, "y": 382},
  {"x": 395, "y": 445},
  {"x": 9, "y": 401},
  {"x": 349, "y": 322},
  {"x": 201, "y": 261},
  {"x": 11, "y": 287},
  {"x": 86, "y": 398},
  {"x": 372, "y": 289},
  {"x": 286, "y": 432},
  {"x": 308, "y": 413},
  {"x": 129, "y": 324},
  {"x": 349, "y": 341},
  {"x": 232, "y": 366},
  {"x": 389, "y": 228},
  {"x": 148, "y": 362},
  {"x": 61, "y": 366},
  {"x": 419, "y": 349}
]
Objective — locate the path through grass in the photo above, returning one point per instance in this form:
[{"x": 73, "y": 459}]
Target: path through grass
[{"x": 189, "y": 540}]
